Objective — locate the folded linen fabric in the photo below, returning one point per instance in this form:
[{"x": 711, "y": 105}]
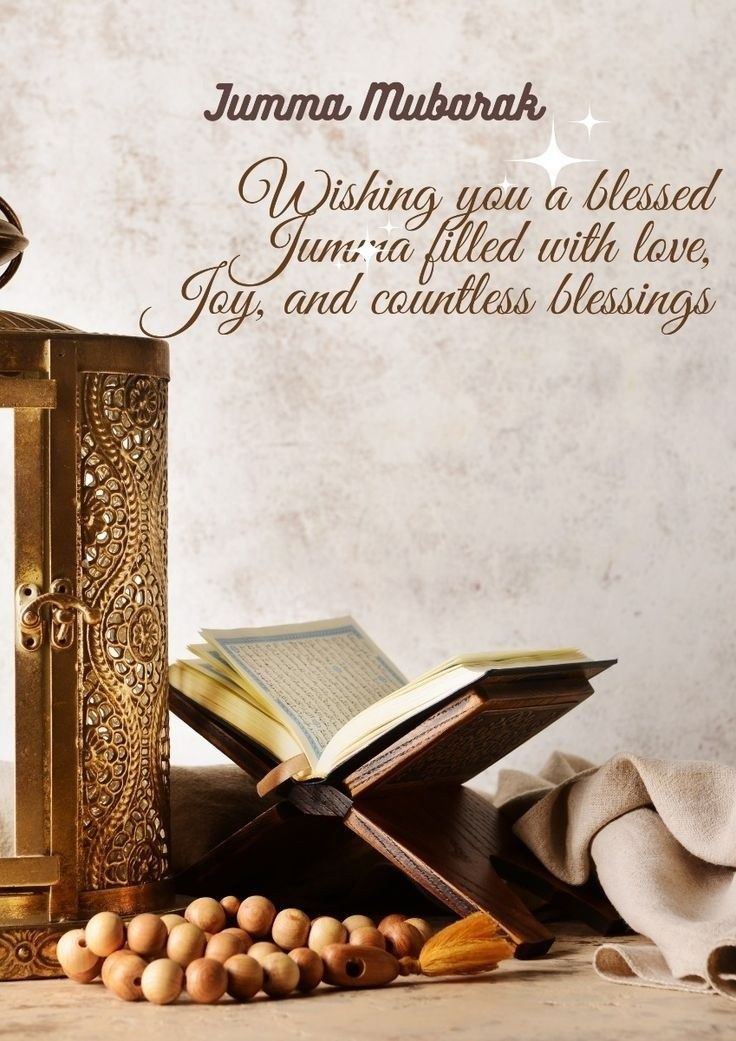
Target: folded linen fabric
[{"x": 661, "y": 835}]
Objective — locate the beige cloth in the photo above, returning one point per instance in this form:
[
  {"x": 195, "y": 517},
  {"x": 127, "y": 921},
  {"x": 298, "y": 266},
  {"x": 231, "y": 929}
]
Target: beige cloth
[
  {"x": 661, "y": 835},
  {"x": 208, "y": 804}
]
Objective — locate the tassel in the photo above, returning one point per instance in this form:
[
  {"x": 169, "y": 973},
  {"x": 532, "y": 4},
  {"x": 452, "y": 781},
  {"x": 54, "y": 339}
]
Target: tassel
[{"x": 474, "y": 944}]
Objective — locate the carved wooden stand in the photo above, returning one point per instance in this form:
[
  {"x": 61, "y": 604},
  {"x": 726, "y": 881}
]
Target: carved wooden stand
[{"x": 408, "y": 804}]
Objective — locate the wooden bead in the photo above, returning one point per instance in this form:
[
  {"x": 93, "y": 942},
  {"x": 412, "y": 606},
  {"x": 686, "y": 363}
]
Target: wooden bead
[
  {"x": 78, "y": 962},
  {"x": 147, "y": 935},
  {"x": 231, "y": 906},
  {"x": 358, "y": 921},
  {"x": 390, "y": 919},
  {"x": 124, "y": 975},
  {"x": 89, "y": 975},
  {"x": 403, "y": 940},
  {"x": 367, "y": 936},
  {"x": 244, "y": 977},
  {"x": 234, "y": 930},
  {"x": 170, "y": 920},
  {"x": 162, "y": 981},
  {"x": 325, "y": 930},
  {"x": 224, "y": 945},
  {"x": 422, "y": 926},
  {"x": 109, "y": 964},
  {"x": 310, "y": 968},
  {"x": 207, "y": 913},
  {"x": 290, "y": 929},
  {"x": 206, "y": 980},
  {"x": 256, "y": 915},
  {"x": 261, "y": 949},
  {"x": 104, "y": 933},
  {"x": 280, "y": 974},
  {"x": 186, "y": 943},
  {"x": 347, "y": 966}
]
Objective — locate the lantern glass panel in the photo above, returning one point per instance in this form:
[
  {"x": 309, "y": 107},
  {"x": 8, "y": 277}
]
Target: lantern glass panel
[{"x": 7, "y": 635}]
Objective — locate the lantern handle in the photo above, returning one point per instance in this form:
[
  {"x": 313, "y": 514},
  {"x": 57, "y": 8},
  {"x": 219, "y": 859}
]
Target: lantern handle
[{"x": 12, "y": 241}]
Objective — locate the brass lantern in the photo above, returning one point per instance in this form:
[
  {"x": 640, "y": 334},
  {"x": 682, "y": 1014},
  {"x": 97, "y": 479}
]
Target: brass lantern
[{"x": 91, "y": 711}]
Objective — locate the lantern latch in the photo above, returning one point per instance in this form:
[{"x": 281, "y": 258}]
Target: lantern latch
[{"x": 64, "y": 607}]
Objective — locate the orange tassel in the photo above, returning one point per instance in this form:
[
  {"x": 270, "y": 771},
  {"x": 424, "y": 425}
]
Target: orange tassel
[{"x": 474, "y": 944}]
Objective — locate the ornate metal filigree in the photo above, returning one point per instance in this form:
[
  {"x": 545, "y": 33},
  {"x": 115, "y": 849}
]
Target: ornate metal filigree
[
  {"x": 124, "y": 724},
  {"x": 29, "y": 953}
]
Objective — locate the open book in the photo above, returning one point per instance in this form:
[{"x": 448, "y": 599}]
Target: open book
[{"x": 323, "y": 691}]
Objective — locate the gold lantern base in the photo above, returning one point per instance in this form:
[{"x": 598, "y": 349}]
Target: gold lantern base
[
  {"x": 28, "y": 952},
  {"x": 28, "y": 948}
]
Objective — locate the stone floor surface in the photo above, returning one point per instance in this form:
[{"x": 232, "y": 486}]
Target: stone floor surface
[{"x": 557, "y": 998}]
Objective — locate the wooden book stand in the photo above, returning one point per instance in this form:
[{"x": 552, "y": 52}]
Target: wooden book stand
[{"x": 405, "y": 801}]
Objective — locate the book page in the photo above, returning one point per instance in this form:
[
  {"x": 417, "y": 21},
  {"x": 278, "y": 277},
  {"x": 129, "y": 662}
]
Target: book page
[
  {"x": 433, "y": 686},
  {"x": 319, "y": 674}
]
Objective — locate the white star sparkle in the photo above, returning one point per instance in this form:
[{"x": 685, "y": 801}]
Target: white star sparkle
[
  {"x": 553, "y": 159},
  {"x": 388, "y": 227},
  {"x": 367, "y": 250},
  {"x": 505, "y": 184},
  {"x": 589, "y": 122}
]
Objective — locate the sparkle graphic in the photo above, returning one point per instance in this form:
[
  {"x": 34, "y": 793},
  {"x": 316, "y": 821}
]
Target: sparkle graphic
[
  {"x": 505, "y": 184},
  {"x": 388, "y": 227},
  {"x": 367, "y": 250},
  {"x": 589, "y": 122},
  {"x": 553, "y": 159}
]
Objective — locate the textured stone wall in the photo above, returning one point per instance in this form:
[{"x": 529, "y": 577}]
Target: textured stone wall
[{"x": 453, "y": 482}]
